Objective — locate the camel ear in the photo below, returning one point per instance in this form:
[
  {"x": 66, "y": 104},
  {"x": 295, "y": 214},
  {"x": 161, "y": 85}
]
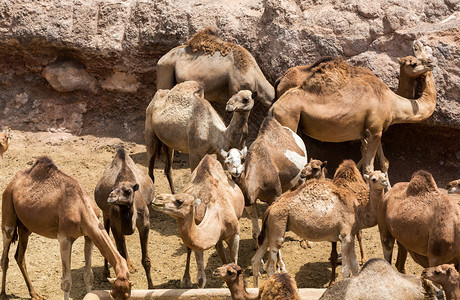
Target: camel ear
[
  {"x": 135, "y": 187},
  {"x": 366, "y": 177},
  {"x": 324, "y": 164},
  {"x": 200, "y": 92},
  {"x": 401, "y": 61},
  {"x": 111, "y": 280},
  {"x": 254, "y": 94},
  {"x": 131, "y": 283},
  {"x": 223, "y": 153},
  {"x": 244, "y": 152},
  {"x": 196, "y": 202}
]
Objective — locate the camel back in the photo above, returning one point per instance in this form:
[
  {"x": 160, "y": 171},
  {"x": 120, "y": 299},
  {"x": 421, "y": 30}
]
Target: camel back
[
  {"x": 44, "y": 168},
  {"x": 207, "y": 42},
  {"x": 279, "y": 286},
  {"x": 272, "y": 132},
  {"x": 329, "y": 75},
  {"x": 348, "y": 176},
  {"x": 421, "y": 183}
]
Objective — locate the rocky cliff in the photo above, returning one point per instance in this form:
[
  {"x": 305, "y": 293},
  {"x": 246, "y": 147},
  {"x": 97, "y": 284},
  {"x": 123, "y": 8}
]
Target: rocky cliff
[{"x": 88, "y": 66}]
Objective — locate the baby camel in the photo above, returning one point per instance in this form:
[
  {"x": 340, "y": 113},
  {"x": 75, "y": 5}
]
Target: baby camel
[
  {"x": 447, "y": 276},
  {"x": 453, "y": 187},
  {"x": 5, "y": 138},
  {"x": 48, "y": 202},
  {"x": 280, "y": 286},
  {"x": 207, "y": 213},
  {"x": 181, "y": 119}
]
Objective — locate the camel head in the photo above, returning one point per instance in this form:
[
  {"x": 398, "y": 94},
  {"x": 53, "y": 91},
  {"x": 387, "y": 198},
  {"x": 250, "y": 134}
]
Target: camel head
[
  {"x": 243, "y": 101},
  {"x": 442, "y": 274},
  {"x": 228, "y": 272},
  {"x": 413, "y": 67},
  {"x": 314, "y": 169},
  {"x": 177, "y": 205},
  {"x": 234, "y": 160},
  {"x": 453, "y": 187},
  {"x": 377, "y": 180},
  {"x": 121, "y": 288},
  {"x": 123, "y": 194},
  {"x": 5, "y": 138}
]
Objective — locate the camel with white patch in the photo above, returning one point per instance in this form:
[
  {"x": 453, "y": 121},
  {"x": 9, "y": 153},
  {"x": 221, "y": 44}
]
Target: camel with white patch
[
  {"x": 45, "y": 201},
  {"x": 447, "y": 276},
  {"x": 272, "y": 166},
  {"x": 319, "y": 210},
  {"x": 207, "y": 213},
  {"x": 5, "y": 138},
  {"x": 453, "y": 187},
  {"x": 181, "y": 119},
  {"x": 222, "y": 68},
  {"x": 423, "y": 220},
  {"x": 339, "y": 102},
  {"x": 123, "y": 194}
]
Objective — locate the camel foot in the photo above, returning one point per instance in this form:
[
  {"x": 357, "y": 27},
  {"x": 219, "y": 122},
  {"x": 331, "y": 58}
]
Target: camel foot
[
  {"x": 363, "y": 261},
  {"x": 201, "y": 282},
  {"x": 186, "y": 283},
  {"x": 3, "y": 296},
  {"x": 37, "y": 297},
  {"x": 131, "y": 267},
  {"x": 306, "y": 244}
]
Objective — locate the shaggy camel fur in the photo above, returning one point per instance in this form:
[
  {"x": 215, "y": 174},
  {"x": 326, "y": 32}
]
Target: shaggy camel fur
[
  {"x": 453, "y": 187},
  {"x": 272, "y": 166},
  {"x": 378, "y": 280},
  {"x": 319, "y": 210},
  {"x": 279, "y": 286},
  {"x": 339, "y": 102},
  {"x": 181, "y": 119},
  {"x": 48, "y": 202},
  {"x": 207, "y": 213},
  {"x": 123, "y": 194},
  {"x": 5, "y": 138},
  {"x": 447, "y": 276},
  {"x": 222, "y": 68},
  {"x": 422, "y": 219}
]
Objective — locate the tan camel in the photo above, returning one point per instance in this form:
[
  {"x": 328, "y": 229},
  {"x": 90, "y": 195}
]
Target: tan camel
[
  {"x": 453, "y": 187},
  {"x": 5, "y": 138},
  {"x": 422, "y": 219},
  {"x": 207, "y": 213},
  {"x": 48, "y": 202},
  {"x": 447, "y": 276},
  {"x": 378, "y": 280},
  {"x": 222, "y": 68},
  {"x": 339, "y": 103},
  {"x": 280, "y": 286},
  {"x": 181, "y": 119},
  {"x": 319, "y": 210},
  {"x": 123, "y": 194}
]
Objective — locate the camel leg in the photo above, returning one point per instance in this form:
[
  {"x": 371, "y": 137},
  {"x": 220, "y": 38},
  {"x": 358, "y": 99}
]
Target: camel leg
[
  {"x": 369, "y": 153},
  {"x": 252, "y": 211},
  {"x": 221, "y": 252},
  {"x": 349, "y": 261},
  {"x": 234, "y": 244},
  {"x": 280, "y": 263},
  {"x": 186, "y": 281},
  {"x": 201, "y": 276},
  {"x": 387, "y": 245},
  {"x": 359, "y": 237},
  {"x": 168, "y": 167},
  {"x": 153, "y": 151},
  {"x": 106, "y": 272},
  {"x": 8, "y": 233},
  {"x": 121, "y": 247},
  {"x": 144, "y": 237},
  {"x": 89, "y": 276},
  {"x": 65, "y": 244},
  {"x": 334, "y": 257},
  {"x": 384, "y": 164},
  {"x": 257, "y": 262},
  {"x": 401, "y": 259}
]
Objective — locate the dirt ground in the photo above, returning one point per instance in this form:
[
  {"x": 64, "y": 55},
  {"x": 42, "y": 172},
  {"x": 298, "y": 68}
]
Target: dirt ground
[{"x": 85, "y": 158}]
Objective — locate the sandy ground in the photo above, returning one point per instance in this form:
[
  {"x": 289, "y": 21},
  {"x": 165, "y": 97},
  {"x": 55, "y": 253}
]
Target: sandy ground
[{"x": 85, "y": 158}]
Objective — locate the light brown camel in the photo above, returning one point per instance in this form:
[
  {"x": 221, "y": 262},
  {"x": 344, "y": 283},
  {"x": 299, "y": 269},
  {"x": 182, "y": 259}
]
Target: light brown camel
[
  {"x": 280, "y": 286},
  {"x": 181, "y": 119},
  {"x": 48, "y": 202},
  {"x": 207, "y": 213},
  {"x": 123, "y": 194},
  {"x": 447, "y": 276},
  {"x": 378, "y": 280},
  {"x": 5, "y": 138},
  {"x": 319, "y": 210},
  {"x": 339, "y": 102},
  {"x": 422, "y": 219},
  {"x": 453, "y": 187},
  {"x": 222, "y": 68}
]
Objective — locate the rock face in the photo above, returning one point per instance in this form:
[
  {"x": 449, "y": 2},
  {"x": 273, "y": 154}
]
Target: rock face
[{"x": 88, "y": 66}]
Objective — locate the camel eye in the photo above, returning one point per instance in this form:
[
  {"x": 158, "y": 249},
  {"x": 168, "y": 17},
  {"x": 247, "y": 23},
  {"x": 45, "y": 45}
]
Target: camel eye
[
  {"x": 128, "y": 192},
  {"x": 179, "y": 201},
  {"x": 229, "y": 272},
  {"x": 437, "y": 272},
  {"x": 245, "y": 100},
  {"x": 316, "y": 169},
  {"x": 242, "y": 160},
  {"x": 374, "y": 180},
  {"x": 413, "y": 65}
]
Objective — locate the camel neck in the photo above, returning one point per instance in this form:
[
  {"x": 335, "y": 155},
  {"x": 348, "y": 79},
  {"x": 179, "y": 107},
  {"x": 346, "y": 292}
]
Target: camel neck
[
  {"x": 367, "y": 214},
  {"x": 238, "y": 290},
  {"x": 237, "y": 131},
  {"x": 452, "y": 293},
  {"x": 406, "y": 87}
]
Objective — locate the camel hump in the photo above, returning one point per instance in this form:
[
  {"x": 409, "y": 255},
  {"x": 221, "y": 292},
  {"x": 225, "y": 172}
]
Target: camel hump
[
  {"x": 421, "y": 182},
  {"x": 374, "y": 264},
  {"x": 121, "y": 153},
  {"x": 347, "y": 170},
  {"x": 42, "y": 167},
  {"x": 284, "y": 283}
]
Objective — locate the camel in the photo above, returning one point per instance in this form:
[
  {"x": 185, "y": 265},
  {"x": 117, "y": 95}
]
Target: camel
[
  {"x": 447, "y": 276},
  {"x": 339, "y": 102},
  {"x": 279, "y": 286},
  {"x": 207, "y": 213},
  {"x": 123, "y": 194},
  {"x": 319, "y": 210},
  {"x": 181, "y": 119},
  {"x": 272, "y": 166},
  {"x": 453, "y": 187},
  {"x": 423, "y": 220},
  {"x": 5, "y": 138},
  {"x": 45, "y": 201},
  {"x": 222, "y": 68},
  {"x": 378, "y": 280}
]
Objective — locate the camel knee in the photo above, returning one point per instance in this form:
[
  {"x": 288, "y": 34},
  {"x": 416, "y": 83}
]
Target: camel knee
[
  {"x": 66, "y": 284},
  {"x": 146, "y": 263}
]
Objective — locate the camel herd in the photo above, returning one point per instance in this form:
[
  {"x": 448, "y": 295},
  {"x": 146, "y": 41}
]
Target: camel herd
[{"x": 328, "y": 100}]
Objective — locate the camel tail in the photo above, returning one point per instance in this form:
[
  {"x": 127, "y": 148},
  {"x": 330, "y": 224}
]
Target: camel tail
[
  {"x": 264, "y": 230},
  {"x": 15, "y": 235}
]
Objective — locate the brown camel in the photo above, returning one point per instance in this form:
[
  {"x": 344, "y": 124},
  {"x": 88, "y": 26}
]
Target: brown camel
[
  {"x": 378, "y": 280},
  {"x": 453, "y": 187},
  {"x": 123, "y": 194},
  {"x": 207, "y": 213},
  {"x": 5, "y": 138},
  {"x": 181, "y": 119},
  {"x": 339, "y": 102},
  {"x": 222, "y": 68},
  {"x": 319, "y": 210},
  {"x": 280, "y": 286},
  {"x": 447, "y": 276},
  {"x": 422, "y": 219},
  {"x": 48, "y": 202}
]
